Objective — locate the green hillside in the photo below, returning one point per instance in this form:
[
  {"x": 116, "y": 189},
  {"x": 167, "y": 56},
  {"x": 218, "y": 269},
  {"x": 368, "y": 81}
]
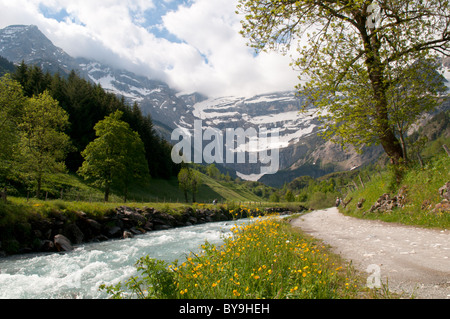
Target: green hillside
[
  {"x": 417, "y": 196},
  {"x": 160, "y": 190},
  {"x": 71, "y": 187}
]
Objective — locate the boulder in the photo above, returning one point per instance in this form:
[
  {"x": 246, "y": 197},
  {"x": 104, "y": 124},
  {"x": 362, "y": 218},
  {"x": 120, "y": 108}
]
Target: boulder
[
  {"x": 386, "y": 203},
  {"x": 192, "y": 220},
  {"x": 113, "y": 231},
  {"x": 127, "y": 234},
  {"x": 74, "y": 233},
  {"x": 136, "y": 231},
  {"x": 94, "y": 225},
  {"x": 100, "y": 238},
  {"x": 47, "y": 246},
  {"x": 62, "y": 243},
  {"x": 162, "y": 227},
  {"x": 133, "y": 215},
  {"x": 160, "y": 219},
  {"x": 148, "y": 226},
  {"x": 444, "y": 191},
  {"x": 442, "y": 207}
]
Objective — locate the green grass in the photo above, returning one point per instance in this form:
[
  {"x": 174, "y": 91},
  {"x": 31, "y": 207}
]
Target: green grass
[
  {"x": 422, "y": 186},
  {"x": 264, "y": 259},
  {"x": 70, "y": 187}
]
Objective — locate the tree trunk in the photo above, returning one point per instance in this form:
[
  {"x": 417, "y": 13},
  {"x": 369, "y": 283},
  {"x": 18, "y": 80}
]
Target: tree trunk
[
  {"x": 375, "y": 68},
  {"x": 392, "y": 147},
  {"x": 403, "y": 143},
  {"x": 4, "y": 195},
  {"x": 125, "y": 195},
  {"x": 106, "y": 193},
  {"x": 38, "y": 187}
]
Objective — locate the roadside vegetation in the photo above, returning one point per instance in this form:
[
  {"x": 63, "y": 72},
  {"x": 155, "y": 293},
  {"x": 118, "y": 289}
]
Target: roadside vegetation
[{"x": 420, "y": 184}]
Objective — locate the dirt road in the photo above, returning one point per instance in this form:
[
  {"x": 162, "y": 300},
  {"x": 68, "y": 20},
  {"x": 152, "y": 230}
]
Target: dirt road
[{"x": 412, "y": 261}]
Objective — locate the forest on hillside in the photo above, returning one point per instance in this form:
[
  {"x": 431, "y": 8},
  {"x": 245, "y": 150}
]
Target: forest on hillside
[{"x": 85, "y": 104}]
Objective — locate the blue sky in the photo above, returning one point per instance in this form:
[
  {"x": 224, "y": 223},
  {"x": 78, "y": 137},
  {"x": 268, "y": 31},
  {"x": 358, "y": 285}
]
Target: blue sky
[{"x": 193, "y": 45}]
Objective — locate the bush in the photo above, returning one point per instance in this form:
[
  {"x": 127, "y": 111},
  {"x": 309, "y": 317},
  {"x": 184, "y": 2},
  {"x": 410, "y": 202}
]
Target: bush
[
  {"x": 11, "y": 246},
  {"x": 274, "y": 198},
  {"x": 321, "y": 200}
]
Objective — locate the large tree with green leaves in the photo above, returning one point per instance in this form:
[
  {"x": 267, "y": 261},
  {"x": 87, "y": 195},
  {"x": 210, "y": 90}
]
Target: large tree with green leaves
[
  {"x": 43, "y": 145},
  {"x": 116, "y": 158},
  {"x": 365, "y": 64},
  {"x": 12, "y": 101},
  {"x": 189, "y": 180}
]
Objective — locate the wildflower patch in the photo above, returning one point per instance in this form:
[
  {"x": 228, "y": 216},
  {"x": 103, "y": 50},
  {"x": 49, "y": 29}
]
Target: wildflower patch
[{"x": 264, "y": 258}]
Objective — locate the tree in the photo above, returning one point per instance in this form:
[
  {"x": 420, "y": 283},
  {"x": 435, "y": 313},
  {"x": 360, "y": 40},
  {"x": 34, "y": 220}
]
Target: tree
[
  {"x": 275, "y": 198},
  {"x": 189, "y": 180},
  {"x": 407, "y": 100},
  {"x": 212, "y": 171},
  {"x": 356, "y": 55},
  {"x": 12, "y": 101},
  {"x": 289, "y": 196},
  {"x": 116, "y": 158},
  {"x": 44, "y": 144},
  {"x": 184, "y": 182},
  {"x": 196, "y": 181},
  {"x": 6, "y": 66}
]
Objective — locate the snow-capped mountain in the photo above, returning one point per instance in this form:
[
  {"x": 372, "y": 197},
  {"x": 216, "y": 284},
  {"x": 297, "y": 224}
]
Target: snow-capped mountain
[
  {"x": 27, "y": 43},
  {"x": 273, "y": 112},
  {"x": 301, "y": 151}
]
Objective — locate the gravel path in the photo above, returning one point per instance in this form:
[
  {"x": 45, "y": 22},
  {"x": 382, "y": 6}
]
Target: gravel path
[{"x": 413, "y": 261}]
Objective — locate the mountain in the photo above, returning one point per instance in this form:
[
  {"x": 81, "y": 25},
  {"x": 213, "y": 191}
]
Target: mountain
[
  {"x": 27, "y": 43},
  {"x": 301, "y": 151},
  {"x": 299, "y": 146}
]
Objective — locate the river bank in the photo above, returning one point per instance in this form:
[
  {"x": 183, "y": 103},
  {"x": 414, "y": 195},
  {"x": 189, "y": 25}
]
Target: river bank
[
  {"x": 78, "y": 274},
  {"x": 60, "y": 231}
]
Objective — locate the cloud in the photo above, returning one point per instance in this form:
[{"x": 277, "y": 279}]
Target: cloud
[
  {"x": 193, "y": 45},
  {"x": 231, "y": 67}
]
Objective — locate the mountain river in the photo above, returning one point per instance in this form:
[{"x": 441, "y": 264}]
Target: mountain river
[{"x": 79, "y": 273}]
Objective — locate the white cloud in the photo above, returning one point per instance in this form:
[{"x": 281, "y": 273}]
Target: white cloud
[{"x": 210, "y": 56}]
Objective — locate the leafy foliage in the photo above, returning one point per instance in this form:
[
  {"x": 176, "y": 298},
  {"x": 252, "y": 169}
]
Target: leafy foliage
[
  {"x": 116, "y": 157},
  {"x": 189, "y": 180},
  {"x": 362, "y": 74},
  {"x": 12, "y": 102},
  {"x": 6, "y": 66},
  {"x": 43, "y": 144}
]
